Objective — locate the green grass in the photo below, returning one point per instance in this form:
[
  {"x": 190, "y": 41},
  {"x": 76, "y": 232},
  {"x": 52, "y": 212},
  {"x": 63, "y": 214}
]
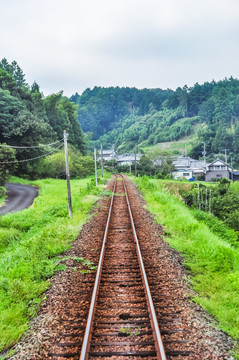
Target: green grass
[
  {"x": 30, "y": 242},
  {"x": 2, "y": 195},
  {"x": 211, "y": 257}
]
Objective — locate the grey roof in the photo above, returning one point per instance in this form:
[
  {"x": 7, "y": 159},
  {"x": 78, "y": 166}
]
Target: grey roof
[
  {"x": 223, "y": 162},
  {"x": 130, "y": 157},
  {"x": 110, "y": 151},
  {"x": 188, "y": 163}
]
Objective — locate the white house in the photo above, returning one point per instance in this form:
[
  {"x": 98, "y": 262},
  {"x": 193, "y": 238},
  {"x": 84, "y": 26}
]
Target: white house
[{"x": 217, "y": 170}]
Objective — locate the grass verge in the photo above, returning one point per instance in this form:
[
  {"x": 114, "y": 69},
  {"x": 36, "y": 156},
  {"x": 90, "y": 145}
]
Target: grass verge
[
  {"x": 30, "y": 241},
  {"x": 212, "y": 260}
]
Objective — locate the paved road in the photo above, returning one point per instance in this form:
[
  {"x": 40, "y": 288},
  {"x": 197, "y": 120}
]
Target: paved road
[{"x": 19, "y": 197}]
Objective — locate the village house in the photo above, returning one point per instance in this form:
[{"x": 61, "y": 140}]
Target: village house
[
  {"x": 123, "y": 159},
  {"x": 127, "y": 159},
  {"x": 217, "y": 170},
  {"x": 187, "y": 168},
  {"x": 107, "y": 154}
]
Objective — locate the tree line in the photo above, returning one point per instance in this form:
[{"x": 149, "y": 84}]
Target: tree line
[
  {"x": 28, "y": 118},
  {"x": 129, "y": 116}
]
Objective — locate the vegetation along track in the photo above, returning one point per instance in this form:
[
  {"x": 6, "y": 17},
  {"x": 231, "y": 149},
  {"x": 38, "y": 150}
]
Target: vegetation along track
[{"x": 122, "y": 323}]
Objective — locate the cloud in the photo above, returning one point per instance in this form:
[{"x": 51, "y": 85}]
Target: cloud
[{"x": 145, "y": 43}]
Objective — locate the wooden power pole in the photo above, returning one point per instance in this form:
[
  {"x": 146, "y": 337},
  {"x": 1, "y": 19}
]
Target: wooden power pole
[
  {"x": 101, "y": 155},
  {"x": 96, "y": 179},
  {"x": 135, "y": 161},
  {"x": 67, "y": 175}
]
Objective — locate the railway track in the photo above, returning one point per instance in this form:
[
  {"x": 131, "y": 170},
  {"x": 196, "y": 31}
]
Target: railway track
[{"x": 121, "y": 321}]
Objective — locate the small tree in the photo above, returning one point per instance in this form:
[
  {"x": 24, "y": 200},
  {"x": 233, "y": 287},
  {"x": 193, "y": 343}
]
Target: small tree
[{"x": 7, "y": 165}]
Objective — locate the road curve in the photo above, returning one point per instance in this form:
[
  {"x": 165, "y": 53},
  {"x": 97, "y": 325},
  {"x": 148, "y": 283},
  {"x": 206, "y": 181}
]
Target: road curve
[{"x": 19, "y": 197}]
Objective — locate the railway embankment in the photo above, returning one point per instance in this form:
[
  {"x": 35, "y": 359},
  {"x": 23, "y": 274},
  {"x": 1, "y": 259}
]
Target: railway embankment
[
  {"x": 30, "y": 243},
  {"x": 210, "y": 258},
  {"x": 60, "y": 323}
]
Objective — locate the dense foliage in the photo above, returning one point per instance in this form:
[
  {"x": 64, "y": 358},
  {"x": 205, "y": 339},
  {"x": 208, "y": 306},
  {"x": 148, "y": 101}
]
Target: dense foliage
[
  {"x": 101, "y": 109},
  {"x": 126, "y": 116},
  {"x": 30, "y": 243},
  {"x": 6, "y": 168},
  {"x": 207, "y": 249},
  {"x": 222, "y": 200},
  {"x": 27, "y": 118},
  {"x": 53, "y": 166}
]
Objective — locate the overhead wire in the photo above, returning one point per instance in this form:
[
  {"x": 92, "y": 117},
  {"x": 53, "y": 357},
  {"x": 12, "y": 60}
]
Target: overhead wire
[
  {"x": 37, "y": 157},
  {"x": 30, "y": 147}
]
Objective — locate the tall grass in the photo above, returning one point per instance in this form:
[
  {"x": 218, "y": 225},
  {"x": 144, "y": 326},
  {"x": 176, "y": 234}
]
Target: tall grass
[
  {"x": 211, "y": 259},
  {"x": 30, "y": 241}
]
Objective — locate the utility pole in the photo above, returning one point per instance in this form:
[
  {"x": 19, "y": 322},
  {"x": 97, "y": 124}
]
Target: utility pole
[
  {"x": 102, "y": 167},
  {"x": 67, "y": 175},
  {"x": 204, "y": 154},
  {"x": 232, "y": 177},
  {"x": 113, "y": 151},
  {"x": 135, "y": 162},
  {"x": 226, "y": 156},
  {"x": 199, "y": 204},
  {"x": 210, "y": 202},
  {"x": 185, "y": 153},
  {"x": 206, "y": 201},
  {"x": 96, "y": 180}
]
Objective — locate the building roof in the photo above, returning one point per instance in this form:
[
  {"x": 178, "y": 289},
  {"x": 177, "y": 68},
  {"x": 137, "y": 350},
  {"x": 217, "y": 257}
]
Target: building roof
[
  {"x": 218, "y": 162},
  {"x": 108, "y": 151},
  {"x": 187, "y": 162},
  {"x": 128, "y": 157}
]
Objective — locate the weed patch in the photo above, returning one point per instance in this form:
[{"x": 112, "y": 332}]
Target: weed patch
[
  {"x": 30, "y": 243},
  {"x": 211, "y": 253}
]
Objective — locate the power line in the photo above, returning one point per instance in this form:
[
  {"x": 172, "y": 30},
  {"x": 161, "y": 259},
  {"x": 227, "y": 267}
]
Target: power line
[
  {"x": 30, "y": 147},
  {"x": 37, "y": 157}
]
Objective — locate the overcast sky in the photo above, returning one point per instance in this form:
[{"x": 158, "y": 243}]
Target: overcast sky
[{"x": 75, "y": 44}]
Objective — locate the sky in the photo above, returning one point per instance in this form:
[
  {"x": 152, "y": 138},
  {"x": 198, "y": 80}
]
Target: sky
[{"x": 77, "y": 44}]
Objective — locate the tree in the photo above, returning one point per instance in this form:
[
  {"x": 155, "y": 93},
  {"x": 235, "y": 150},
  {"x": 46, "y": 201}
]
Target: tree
[
  {"x": 62, "y": 115},
  {"x": 7, "y": 165},
  {"x": 14, "y": 70},
  {"x": 38, "y": 102},
  {"x": 6, "y": 81}
]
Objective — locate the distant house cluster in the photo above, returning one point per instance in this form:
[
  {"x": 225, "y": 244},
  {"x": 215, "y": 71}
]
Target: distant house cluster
[
  {"x": 185, "y": 167},
  {"x": 123, "y": 159},
  {"x": 193, "y": 169}
]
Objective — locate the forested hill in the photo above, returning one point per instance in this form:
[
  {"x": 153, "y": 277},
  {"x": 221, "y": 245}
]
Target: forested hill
[
  {"x": 28, "y": 118},
  {"x": 101, "y": 109},
  {"x": 126, "y": 116}
]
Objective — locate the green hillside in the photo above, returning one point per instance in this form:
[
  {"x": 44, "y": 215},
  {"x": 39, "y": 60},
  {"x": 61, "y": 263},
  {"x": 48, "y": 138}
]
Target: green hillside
[{"x": 126, "y": 116}]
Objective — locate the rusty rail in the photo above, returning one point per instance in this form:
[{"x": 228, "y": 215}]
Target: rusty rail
[
  {"x": 153, "y": 319},
  {"x": 87, "y": 336}
]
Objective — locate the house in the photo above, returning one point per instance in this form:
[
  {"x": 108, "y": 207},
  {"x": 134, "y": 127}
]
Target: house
[
  {"x": 107, "y": 154},
  {"x": 217, "y": 170},
  {"x": 182, "y": 174},
  {"x": 188, "y": 168},
  {"x": 124, "y": 159},
  {"x": 183, "y": 163},
  {"x": 235, "y": 175},
  {"x": 127, "y": 159}
]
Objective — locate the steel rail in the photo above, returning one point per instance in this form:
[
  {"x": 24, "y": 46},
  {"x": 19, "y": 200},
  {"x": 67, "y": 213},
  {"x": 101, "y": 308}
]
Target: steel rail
[
  {"x": 87, "y": 336},
  {"x": 153, "y": 319}
]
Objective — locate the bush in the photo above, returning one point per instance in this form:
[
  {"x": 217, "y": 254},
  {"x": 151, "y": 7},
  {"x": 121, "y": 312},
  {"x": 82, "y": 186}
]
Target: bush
[
  {"x": 53, "y": 166},
  {"x": 7, "y": 155}
]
